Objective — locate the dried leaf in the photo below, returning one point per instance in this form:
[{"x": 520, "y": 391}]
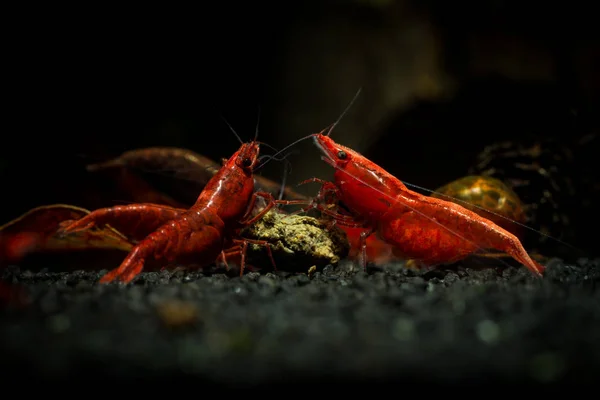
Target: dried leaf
[
  {"x": 161, "y": 175},
  {"x": 180, "y": 163},
  {"x": 35, "y": 231},
  {"x": 186, "y": 174},
  {"x": 139, "y": 190}
]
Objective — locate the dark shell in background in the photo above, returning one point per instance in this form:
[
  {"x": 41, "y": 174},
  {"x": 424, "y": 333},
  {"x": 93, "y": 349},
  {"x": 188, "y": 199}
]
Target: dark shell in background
[{"x": 558, "y": 184}]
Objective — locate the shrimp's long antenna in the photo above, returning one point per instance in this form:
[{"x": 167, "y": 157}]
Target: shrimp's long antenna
[
  {"x": 269, "y": 146},
  {"x": 287, "y": 166},
  {"x": 344, "y": 112},
  {"x": 257, "y": 123},
  {"x": 285, "y": 148},
  {"x": 311, "y": 135},
  {"x": 328, "y": 133},
  {"x": 232, "y": 130}
]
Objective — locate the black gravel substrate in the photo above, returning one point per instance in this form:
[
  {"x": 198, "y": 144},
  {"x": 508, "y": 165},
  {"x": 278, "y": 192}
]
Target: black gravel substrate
[{"x": 460, "y": 326}]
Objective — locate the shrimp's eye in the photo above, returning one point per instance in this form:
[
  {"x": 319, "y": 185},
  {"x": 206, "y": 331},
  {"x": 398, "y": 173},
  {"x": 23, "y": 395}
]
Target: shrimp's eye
[
  {"x": 246, "y": 162},
  {"x": 342, "y": 155}
]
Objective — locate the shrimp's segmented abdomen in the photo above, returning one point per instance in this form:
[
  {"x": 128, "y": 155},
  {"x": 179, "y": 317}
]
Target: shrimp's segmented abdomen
[{"x": 429, "y": 240}]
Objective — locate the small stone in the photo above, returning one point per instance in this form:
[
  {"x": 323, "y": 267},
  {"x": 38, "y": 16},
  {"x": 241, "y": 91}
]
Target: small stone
[
  {"x": 59, "y": 323},
  {"x": 296, "y": 242},
  {"x": 546, "y": 367},
  {"x": 177, "y": 313},
  {"x": 488, "y": 331},
  {"x": 403, "y": 329}
]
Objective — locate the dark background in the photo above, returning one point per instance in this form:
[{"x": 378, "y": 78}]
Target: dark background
[{"x": 440, "y": 81}]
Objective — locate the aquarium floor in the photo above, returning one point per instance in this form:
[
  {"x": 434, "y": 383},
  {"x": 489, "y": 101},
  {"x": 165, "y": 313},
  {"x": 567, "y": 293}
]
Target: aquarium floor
[{"x": 341, "y": 325}]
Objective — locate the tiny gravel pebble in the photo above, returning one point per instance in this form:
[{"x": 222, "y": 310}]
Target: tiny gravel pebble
[{"x": 455, "y": 325}]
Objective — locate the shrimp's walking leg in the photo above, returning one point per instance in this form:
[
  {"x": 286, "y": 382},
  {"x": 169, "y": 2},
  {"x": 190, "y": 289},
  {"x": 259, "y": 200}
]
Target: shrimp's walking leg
[
  {"x": 248, "y": 219},
  {"x": 315, "y": 203},
  {"x": 243, "y": 243},
  {"x": 240, "y": 246},
  {"x": 363, "y": 247}
]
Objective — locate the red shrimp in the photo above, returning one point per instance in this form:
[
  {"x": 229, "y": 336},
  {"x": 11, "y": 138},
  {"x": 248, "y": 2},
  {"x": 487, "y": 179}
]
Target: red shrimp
[
  {"x": 428, "y": 230},
  {"x": 200, "y": 235}
]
